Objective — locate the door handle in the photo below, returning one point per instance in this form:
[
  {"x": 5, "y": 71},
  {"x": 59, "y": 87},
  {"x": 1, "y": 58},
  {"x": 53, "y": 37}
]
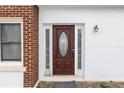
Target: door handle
[{"x": 73, "y": 50}]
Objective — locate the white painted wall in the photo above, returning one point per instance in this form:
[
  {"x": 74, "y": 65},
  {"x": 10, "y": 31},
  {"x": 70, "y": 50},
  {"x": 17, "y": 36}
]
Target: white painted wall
[
  {"x": 104, "y": 51},
  {"x": 11, "y": 79}
]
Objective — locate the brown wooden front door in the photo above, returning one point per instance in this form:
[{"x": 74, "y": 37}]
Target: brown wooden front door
[{"x": 63, "y": 49}]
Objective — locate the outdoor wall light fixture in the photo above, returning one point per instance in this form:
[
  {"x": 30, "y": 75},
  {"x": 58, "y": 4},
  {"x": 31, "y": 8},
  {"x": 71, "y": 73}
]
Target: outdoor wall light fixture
[{"x": 96, "y": 29}]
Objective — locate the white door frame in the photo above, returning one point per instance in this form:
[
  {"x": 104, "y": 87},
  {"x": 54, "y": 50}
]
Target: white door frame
[{"x": 42, "y": 48}]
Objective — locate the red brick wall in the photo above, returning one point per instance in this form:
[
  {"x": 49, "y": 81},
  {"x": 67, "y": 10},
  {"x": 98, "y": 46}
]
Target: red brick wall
[{"x": 30, "y": 31}]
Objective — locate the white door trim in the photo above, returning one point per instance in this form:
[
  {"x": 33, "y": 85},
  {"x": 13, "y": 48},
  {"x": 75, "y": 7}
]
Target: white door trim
[{"x": 42, "y": 48}]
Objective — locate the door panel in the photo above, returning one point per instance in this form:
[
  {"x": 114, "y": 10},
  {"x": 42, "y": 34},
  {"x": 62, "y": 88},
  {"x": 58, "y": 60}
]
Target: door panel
[{"x": 63, "y": 49}]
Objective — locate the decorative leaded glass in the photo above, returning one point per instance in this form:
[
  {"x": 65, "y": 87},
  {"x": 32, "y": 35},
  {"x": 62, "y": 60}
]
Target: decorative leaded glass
[
  {"x": 47, "y": 48},
  {"x": 79, "y": 48},
  {"x": 63, "y": 44}
]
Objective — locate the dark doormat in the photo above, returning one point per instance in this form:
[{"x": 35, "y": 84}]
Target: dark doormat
[{"x": 65, "y": 84}]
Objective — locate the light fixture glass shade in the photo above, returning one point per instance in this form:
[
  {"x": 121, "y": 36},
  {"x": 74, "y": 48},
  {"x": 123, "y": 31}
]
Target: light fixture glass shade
[{"x": 63, "y": 44}]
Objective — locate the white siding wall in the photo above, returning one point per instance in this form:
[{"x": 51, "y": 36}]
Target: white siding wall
[
  {"x": 11, "y": 79},
  {"x": 104, "y": 51}
]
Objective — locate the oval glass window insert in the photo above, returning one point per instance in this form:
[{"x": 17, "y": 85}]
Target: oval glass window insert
[{"x": 63, "y": 44}]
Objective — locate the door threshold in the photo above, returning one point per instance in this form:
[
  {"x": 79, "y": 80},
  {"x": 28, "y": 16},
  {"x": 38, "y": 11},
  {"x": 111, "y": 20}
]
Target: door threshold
[{"x": 62, "y": 78}]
